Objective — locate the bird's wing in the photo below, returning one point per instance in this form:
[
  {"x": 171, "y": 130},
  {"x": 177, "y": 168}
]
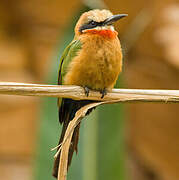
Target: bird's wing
[{"x": 69, "y": 53}]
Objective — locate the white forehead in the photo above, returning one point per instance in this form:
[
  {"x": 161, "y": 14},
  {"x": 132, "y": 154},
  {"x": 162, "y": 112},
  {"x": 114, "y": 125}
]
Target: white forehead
[{"x": 99, "y": 15}]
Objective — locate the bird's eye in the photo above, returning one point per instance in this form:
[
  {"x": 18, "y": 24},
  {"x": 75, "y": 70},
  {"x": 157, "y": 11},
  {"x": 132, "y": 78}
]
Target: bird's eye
[{"x": 93, "y": 23}]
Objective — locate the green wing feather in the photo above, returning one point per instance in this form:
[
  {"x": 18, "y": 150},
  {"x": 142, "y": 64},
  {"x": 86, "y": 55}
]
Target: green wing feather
[{"x": 69, "y": 53}]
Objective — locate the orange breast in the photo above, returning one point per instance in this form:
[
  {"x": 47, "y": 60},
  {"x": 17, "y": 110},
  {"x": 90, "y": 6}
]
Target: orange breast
[{"x": 98, "y": 63}]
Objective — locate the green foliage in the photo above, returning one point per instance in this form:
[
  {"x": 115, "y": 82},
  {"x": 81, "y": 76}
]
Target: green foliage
[{"x": 111, "y": 146}]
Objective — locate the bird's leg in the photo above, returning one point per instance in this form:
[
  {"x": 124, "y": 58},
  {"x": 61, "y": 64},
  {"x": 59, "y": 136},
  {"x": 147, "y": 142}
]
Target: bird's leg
[
  {"x": 103, "y": 92},
  {"x": 86, "y": 91}
]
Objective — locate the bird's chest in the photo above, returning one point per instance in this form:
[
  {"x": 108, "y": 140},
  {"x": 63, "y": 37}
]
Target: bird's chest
[
  {"x": 97, "y": 65},
  {"x": 101, "y": 63}
]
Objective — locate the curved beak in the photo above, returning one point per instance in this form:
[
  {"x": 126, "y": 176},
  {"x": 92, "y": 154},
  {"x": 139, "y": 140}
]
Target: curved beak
[{"x": 113, "y": 19}]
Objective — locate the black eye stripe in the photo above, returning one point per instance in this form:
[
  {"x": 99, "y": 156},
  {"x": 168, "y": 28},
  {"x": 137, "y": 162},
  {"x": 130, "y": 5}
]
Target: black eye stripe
[{"x": 90, "y": 25}]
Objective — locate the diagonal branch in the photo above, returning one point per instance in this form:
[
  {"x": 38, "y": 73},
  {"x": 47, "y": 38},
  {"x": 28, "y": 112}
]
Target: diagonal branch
[
  {"x": 62, "y": 171},
  {"x": 77, "y": 92}
]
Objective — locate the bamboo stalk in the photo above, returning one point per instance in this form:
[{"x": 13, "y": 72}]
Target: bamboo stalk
[{"x": 77, "y": 93}]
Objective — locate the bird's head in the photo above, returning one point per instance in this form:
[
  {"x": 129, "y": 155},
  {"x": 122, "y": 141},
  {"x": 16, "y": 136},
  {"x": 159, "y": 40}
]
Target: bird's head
[{"x": 97, "y": 22}]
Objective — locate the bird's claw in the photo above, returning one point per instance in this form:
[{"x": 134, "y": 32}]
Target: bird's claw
[
  {"x": 86, "y": 91},
  {"x": 103, "y": 92}
]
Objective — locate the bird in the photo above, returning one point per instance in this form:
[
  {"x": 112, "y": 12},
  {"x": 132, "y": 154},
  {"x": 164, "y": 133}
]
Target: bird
[{"x": 93, "y": 60}]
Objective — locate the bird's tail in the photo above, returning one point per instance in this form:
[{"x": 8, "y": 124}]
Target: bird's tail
[{"x": 67, "y": 112}]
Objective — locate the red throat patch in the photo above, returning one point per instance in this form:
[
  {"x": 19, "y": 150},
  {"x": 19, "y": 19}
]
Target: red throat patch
[{"x": 104, "y": 32}]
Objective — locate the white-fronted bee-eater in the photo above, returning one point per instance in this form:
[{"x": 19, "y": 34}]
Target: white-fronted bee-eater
[{"x": 92, "y": 60}]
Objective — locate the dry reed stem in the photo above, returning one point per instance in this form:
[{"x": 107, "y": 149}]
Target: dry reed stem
[
  {"x": 62, "y": 171},
  {"x": 76, "y": 92}
]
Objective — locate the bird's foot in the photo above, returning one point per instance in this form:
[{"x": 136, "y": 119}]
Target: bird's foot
[
  {"x": 103, "y": 92},
  {"x": 86, "y": 91}
]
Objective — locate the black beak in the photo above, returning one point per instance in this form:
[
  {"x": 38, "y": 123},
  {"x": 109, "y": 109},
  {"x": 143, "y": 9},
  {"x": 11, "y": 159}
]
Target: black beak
[{"x": 113, "y": 19}]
